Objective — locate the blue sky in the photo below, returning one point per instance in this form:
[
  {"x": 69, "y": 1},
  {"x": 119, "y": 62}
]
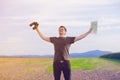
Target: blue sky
[{"x": 16, "y": 37}]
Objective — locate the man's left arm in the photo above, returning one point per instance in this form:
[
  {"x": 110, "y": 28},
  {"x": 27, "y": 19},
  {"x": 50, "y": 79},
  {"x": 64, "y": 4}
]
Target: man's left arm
[{"x": 83, "y": 35}]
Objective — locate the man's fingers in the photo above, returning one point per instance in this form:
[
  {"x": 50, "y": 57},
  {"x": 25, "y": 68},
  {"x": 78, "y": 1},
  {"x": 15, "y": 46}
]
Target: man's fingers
[{"x": 35, "y": 27}]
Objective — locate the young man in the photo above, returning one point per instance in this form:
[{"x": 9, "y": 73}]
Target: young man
[{"x": 61, "y": 47}]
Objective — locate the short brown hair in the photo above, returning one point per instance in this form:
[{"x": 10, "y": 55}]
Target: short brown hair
[{"x": 63, "y": 27}]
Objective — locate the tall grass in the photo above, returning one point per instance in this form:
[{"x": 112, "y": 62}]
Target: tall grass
[
  {"x": 92, "y": 64},
  {"x": 84, "y": 64}
]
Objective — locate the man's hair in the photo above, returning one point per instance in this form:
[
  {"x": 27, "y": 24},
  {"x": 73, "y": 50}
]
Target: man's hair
[{"x": 63, "y": 27}]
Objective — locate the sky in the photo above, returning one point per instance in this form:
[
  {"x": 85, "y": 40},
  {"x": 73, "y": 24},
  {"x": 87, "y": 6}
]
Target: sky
[{"x": 17, "y": 38}]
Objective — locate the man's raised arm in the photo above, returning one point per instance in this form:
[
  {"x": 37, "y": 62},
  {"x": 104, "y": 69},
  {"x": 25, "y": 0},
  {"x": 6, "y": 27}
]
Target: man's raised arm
[
  {"x": 39, "y": 32},
  {"x": 83, "y": 35}
]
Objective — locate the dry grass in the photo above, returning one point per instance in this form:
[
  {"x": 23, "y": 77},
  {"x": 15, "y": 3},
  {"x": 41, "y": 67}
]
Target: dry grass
[{"x": 23, "y": 68}]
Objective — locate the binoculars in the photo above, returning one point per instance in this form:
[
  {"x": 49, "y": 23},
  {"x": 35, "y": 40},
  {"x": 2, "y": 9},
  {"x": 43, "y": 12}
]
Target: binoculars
[{"x": 35, "y": 24}]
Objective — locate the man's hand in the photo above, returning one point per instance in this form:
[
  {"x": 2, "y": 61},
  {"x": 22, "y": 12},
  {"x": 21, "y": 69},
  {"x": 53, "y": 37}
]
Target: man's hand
[
  {"x": 35, "y": 24},
  {"x": 90, "y": 30}
]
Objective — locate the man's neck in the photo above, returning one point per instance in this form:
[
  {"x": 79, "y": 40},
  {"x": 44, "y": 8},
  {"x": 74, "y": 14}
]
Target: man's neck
[{"x": 61, "y": 35}]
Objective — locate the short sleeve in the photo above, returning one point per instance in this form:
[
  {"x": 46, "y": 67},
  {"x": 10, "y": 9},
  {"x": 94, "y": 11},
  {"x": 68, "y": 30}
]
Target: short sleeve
[
  {"x": 52, "y": 39},
  {"x": 71, "y": 39}
]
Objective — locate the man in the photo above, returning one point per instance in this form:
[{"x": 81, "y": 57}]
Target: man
[{"x": 61, "y": 47}]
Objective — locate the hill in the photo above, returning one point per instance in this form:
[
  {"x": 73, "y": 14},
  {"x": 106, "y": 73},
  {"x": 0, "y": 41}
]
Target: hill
[
  {"x": 89, "y": 54},
  {"x": 111, "y": 55}
]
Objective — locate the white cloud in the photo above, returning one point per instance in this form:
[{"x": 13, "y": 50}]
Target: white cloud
[
  {"x": 109, "y": 23},
  {"x": 111, "y": 20}
]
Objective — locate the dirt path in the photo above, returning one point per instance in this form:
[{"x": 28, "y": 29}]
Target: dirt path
[
  {"x": 95, "y": 75},
  {"x": 82, "y": 75},
  {"x": 91, "y": 75}
]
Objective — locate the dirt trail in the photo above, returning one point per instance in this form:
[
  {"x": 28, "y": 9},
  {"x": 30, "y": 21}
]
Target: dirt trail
[
  {"x": 90, "y": 75},
  {"x": 95, "y": 75}
]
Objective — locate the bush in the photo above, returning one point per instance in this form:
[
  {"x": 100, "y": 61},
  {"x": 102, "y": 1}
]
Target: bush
[{"x": 111, "y": 55}]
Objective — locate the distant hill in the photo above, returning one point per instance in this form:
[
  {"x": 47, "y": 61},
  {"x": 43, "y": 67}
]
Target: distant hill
[
  {"x": 89, "y": 54},
  {"x": 111, "y": 55}
]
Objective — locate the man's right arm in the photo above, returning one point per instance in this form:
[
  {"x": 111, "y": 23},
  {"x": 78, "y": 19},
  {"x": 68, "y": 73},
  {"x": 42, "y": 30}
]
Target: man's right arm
[{"x": 41, "y": 35}]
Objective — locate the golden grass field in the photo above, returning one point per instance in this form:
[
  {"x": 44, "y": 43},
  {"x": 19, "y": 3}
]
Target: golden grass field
[
  {"x": 38, "y": 69},
  {"x": 24, "y": 68}
]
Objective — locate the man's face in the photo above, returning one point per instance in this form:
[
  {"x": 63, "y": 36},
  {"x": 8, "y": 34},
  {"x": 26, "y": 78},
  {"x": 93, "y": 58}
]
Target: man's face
[{"x": 62, "y": 31}]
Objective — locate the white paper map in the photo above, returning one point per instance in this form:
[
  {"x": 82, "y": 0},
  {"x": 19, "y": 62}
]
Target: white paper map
[{"x": 94, "y": 27}]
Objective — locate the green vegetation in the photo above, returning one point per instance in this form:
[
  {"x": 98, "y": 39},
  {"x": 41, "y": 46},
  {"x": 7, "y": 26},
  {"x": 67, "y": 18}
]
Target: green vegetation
[
  {"x": 112, "y": 55},
  {"x": 84, "y": 63},
  {"x": 92, "y": 64}
]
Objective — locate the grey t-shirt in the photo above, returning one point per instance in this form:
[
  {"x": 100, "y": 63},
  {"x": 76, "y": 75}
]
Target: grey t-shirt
[{"x": 61, "y": 47}]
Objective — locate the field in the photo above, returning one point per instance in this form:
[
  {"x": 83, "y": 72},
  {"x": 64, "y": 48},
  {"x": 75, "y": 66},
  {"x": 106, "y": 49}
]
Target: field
[{"x": 41, "y": 69}]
